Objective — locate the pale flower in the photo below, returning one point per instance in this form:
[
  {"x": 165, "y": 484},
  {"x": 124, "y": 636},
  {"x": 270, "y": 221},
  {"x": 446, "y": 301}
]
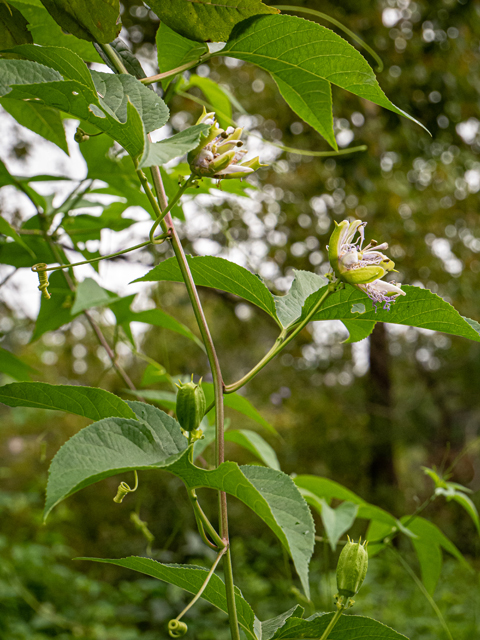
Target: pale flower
[{"x": 362, "y": 268}]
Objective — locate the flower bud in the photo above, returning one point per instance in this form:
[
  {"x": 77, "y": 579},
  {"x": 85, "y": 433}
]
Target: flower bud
[
  {"x": 191, "y": 405},
  {"x": 351, "y": 568}
]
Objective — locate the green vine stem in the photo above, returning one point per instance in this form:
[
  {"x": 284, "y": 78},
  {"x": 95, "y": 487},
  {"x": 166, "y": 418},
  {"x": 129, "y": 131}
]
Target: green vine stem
[
  {"x": 168, "y": 227},
  {"x": 174, "y": 72},
  {"x": 282, "y": 341},
  {"x": 171, "y": 204}
]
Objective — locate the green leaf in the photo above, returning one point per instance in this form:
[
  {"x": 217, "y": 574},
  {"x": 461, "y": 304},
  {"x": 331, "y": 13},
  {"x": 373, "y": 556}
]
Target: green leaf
[
  {"x": 217, "y": 273},
  {"x": 9, "y": 231},
  {"x": 347, "y": 628},
  {"x": 159, "y": 318},
  {"x": 338, "y": 521},
  {"x": 240, "y": 404},
  {"x": 14, "y": 367},
  {"x": 90, "y": 295},
  {"x": 270, "y": 627},
  {"x": 85, "y": 227},
  {"x": 155, "y": 441},
  {"x": 93, "y": 20},
  {"x": 66, "y": 62},
  {"x": 289, "y": 306},
  {"x": 419, "y": 308},
  {"x": 120, "y": 105},
  {"x": 206, "y": 21},
  {"x": 315, "y": 489},
  {"x": 254, "y": 443},
  {"x": 130, "y": 62},
  {"x": 429, "y": 533},
  {"x": 190, "y": 578},
  {"x": 174, "y": 50},
  {"x": 358, "y": 330},
  {"x": 451, "y": 493},
  {"x": 377, "y": 531},
  {"x": 112, "y": 446},
  {"x": 45, "y": 121},
  {"x": 166, "y": 399},
  {"x": 159, "y": 153},
  {"x": 430, "y": 559},
  {"x": 88, "y": 402},
  {"x": 13, "y": 28},
  {"x": 215, "y": 96},
  {"x": 46, "y": 31},
  {"x": 304, "y": 58}
]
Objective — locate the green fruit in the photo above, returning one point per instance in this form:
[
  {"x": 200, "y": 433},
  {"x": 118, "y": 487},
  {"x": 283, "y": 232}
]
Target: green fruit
[
  {"x": 191, "y": 405},
  {"x": 351, "y": 568}
]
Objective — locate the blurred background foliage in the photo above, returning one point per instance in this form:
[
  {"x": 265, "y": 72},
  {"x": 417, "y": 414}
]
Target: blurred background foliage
[{"x": 368, "y": 415}]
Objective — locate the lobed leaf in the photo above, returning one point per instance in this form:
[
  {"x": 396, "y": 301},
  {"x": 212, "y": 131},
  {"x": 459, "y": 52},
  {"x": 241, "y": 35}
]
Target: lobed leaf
[
  {"x": 347, "y": 628},
  {"x": 190, "y": 578},
  {"x": 159, "y": 153},
  {"x": 155, "y": 441},
  {"x": 304, "y": 58},
  {"x": 88, "y": 402},
  {"x": 419, "y": 308},
  {"x": 289, "y": 307},
  {"x": 13, "y": 28},
  {"x": 217, "y": 273}
]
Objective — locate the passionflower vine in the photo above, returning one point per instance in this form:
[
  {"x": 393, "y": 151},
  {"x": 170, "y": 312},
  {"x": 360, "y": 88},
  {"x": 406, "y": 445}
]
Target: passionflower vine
[
  {"x": 362, "y": 267},
  {"x": 219, "y": 153}
]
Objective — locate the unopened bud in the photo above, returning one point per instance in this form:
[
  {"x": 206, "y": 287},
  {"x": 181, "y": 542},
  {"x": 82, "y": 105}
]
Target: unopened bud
[{"x": 351, "y": 568}]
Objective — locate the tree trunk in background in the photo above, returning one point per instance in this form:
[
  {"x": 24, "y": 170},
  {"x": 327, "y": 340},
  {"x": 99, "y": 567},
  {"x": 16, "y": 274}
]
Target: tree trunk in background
[{"x": 379, "y": 397}]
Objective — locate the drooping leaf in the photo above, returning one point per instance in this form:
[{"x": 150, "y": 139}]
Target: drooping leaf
[
  {"x": 13, "y": 27},
  {"x": 215, "y": 96},
  {"x": 88, "y": 402},
  {"x": 217, "y": 273},
  {"x": 174, "y": 50},
  {"x": 130, "y": 62},
  {"x": 159, "y": 153},
  {"x": 289, "y": 306},
  {"x": 206, "y": 21},
  {"x": 14, "y": 367},
  {"x": 90, "y": 295},
  {"x": 40, "y": 119},
  {"x": 338, "y": 521},
  {"x": 429, "y": 533},
  {"x": 304, "y": 58},
  {"x": 419, "y": 308},
  {"x": 254, "y": 443},
  {"x": 92, "y": 20},
  {"x": 46, "y": 31},
  {"x": 120, "y": 105},
  {"x": 348, "y": 627},
  {"x": 316, "y": 489},
  {"x": 156, "y": 441},
  {"x": 240, "y": 404},
  {"x": 430, "y": 559},
  {"x": 190, "y": 578},
  {"x": 159, "y": 318}
]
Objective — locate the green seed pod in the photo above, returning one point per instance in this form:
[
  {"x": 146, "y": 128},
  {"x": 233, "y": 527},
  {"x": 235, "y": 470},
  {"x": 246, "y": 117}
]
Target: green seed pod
[
  {"x": 351, "y": 568},
  {"x": 191, "y": 405}
]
